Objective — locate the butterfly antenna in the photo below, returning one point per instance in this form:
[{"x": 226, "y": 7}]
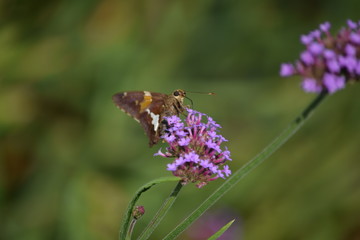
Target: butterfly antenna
[{"x": 207, "y": 93}]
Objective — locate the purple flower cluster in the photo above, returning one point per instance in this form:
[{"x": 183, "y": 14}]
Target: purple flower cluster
[
  {"x": 329, "y": 61},
  {"x": 196, "y": 148}
]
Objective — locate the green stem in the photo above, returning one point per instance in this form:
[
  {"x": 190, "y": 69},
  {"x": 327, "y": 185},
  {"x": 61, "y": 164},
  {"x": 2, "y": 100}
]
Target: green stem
[
  {"x": 124, "y": 230},
  {"x": 131, "y": 229},
  {"x": 252, "y": 164},
  {"x": 161, "y": 213}
]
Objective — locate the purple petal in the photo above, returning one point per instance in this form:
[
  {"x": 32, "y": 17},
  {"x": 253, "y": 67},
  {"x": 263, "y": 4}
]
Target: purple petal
[
  {"x": 170, "y": 138},
  {"x": 306, "y": 39},
  {"x": 212, "y": 133},
  {"x": 307, "y": 58},
  {"x": 171, "y": 167},
  {"x": 349, "y": 62},
  {"x": 350, "y": 50},
  {"x": 172, "y": 119},
  {"x": 213, "y": 168},
  {"x": 316, "y": 48},
  {"x": 179, "y": 161},
  {"x": 226, "y": 154},
  {"x": 184, "y": 142},
  {"x": 287, "y": 69},
  {"x": 160, "y": 153},
  {"x": 329, "y": 54},
  {"x": 316, "y": 33},
  {"x": 333, "y": 83},
  {"x": 325, "y": 27},
  {"x": 220, "y": 174},
  {"x": 205, "y": 163},
  {"x": 181, "y": 133},
  {"x": 355, "y": 37},
  {"x": 191, "y": 157},
  {"x": 211, "y": 123},
  {"x": 210, "y": 144},
  {"x": 333, "y": 65},
  {"x": 351, "y": 24},
  {"x": 226, "y": 170},
  {"x": 310, "y": 85}
]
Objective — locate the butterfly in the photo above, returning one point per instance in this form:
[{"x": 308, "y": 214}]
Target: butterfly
[{"x": 150, "y": 108}]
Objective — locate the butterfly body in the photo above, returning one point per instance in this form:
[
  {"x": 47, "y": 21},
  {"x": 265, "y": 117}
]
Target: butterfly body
[{"x": 150, "y": 108}]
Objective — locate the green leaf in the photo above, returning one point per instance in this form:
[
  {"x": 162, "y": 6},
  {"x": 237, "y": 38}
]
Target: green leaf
[{"x": 221, "y": 231}]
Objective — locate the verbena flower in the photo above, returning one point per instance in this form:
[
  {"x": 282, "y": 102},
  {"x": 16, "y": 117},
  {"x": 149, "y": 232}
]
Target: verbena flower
[
  {"x": 195, "y": 145},
  {"x": 329, "y": 61}
]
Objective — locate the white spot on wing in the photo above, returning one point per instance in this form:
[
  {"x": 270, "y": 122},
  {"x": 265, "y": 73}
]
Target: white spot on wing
[
  {"x": 155, "y": 119},
  {"x": 147, "y": 93}
]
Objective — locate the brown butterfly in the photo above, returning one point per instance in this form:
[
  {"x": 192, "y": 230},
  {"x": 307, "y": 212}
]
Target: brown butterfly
[{"x": 150, "y": 108}]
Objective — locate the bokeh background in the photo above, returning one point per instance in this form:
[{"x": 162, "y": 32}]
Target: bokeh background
[{"x": 70, "y": 160}]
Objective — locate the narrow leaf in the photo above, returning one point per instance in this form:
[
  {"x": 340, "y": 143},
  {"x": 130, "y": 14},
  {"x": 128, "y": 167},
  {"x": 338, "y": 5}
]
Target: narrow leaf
[{"x": 221, "y": 231}]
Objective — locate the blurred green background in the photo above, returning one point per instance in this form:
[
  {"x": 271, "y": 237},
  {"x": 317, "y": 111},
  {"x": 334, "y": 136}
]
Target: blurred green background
[{"x": 70, "y": 160}]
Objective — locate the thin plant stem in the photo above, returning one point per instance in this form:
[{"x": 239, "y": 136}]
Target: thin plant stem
[
  {"x": 252, "y": 164},
  {"x": 131, "y": 229},
  {"x": 161, "y": 212}
]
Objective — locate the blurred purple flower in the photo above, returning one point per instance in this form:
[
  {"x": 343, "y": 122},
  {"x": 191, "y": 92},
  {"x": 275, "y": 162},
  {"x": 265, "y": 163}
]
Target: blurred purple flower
[
  {"x": 196, "y": 148},
  {"x": 329, "y": 61}
]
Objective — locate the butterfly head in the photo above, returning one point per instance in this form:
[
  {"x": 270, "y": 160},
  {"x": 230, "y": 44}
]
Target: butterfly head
[{"x": 179, "y": 94}]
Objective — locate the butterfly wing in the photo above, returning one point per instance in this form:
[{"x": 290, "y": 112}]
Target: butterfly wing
[{"x": 146, "y": 108}]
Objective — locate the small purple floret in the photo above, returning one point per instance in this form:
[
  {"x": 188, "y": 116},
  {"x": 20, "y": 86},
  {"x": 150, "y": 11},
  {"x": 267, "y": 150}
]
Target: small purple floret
[
  {"x": 316, "y": 48},
  {"x": 325, "y": 27},
  {"x": 333, "y": 82},
  {"x": 355, "y": 37},
  {"x": 350, "y": 50},
  {"x": 316, "y": 33},
  {"x": 287, "y": 69},
  {"x": 307, "y": 57},
  {"x": 351, "y": 24},
  {"x": 333, "y": 65},
  {"x": 171, "y": 167},
  {"x": 306, "y": 39},
  {"x": 329, "y": 54},
  {"x": 310, "y": 85}
]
